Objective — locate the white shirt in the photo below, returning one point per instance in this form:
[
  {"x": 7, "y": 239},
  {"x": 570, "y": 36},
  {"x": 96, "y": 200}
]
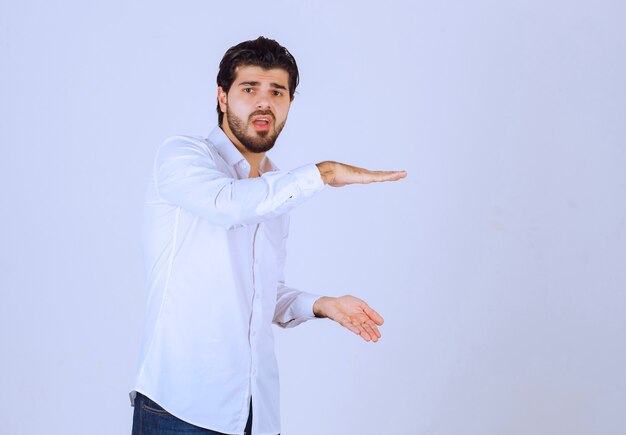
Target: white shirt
[{"x": 214, "y": 255}]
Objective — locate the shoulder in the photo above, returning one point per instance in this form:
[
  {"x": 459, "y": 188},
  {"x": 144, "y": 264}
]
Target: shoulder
[{"x": 181, "y": 145}]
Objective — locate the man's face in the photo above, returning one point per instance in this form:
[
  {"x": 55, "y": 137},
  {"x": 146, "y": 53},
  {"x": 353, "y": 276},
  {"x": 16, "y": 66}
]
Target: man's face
[{"x": 256, "y": 107}]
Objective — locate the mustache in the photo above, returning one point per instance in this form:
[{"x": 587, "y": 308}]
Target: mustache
[{"x": 261, "y": 112}]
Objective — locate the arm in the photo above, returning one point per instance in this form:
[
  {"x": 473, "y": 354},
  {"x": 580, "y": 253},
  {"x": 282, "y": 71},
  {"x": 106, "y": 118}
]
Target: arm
[
  {"x": 294, "y": 307},
  {"x": 187, "y": 175}
]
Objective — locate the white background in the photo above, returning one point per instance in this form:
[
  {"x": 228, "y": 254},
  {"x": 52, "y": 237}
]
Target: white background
[{"x": 498, "y": 264}]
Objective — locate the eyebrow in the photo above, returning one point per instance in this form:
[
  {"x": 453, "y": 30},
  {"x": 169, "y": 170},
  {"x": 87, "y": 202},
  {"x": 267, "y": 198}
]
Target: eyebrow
[{"x": 274, "y": 85}]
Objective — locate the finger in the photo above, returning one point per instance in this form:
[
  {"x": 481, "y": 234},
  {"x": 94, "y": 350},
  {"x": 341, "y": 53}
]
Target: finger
[
  {"x": 377, "y": 318},
  {"x": 381, "y": 176},
  {"x": 370, "y": 330},
  {"x": 372, "y": 325},
  {"x": 363, "y": 332},
  {"x": 348, "y": 324}
]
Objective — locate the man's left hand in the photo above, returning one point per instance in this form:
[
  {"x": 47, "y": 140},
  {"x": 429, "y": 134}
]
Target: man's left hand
[{"x": 351, "y": 313}]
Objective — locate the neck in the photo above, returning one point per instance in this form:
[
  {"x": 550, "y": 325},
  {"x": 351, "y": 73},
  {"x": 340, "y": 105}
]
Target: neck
[{"x": 253, "y": 159}]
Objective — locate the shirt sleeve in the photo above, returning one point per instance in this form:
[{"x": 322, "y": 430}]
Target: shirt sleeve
[
  {"x": 187, "y": 175},
  {"x": 293, "y": 306}
]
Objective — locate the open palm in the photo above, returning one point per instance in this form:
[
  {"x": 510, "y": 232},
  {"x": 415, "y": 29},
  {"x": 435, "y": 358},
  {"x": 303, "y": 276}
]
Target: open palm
[{"x": 352, "y": 313}]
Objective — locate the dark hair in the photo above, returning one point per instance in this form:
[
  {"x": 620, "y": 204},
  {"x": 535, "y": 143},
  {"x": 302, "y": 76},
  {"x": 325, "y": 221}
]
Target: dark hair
[{"x": 263, "y": 52}]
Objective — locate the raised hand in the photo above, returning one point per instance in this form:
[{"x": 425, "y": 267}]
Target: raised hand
[
  {"x": 351, "y": 313},
  {"x": 339, "y": 174}
]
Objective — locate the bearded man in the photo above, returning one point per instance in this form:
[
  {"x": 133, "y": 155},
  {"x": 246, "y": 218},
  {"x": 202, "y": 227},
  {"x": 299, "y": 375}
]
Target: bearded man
[{"x": 215, "y": 228}]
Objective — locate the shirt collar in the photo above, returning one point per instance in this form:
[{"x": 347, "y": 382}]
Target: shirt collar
[
  {"x": 229, "y": 152},
  {"x": 225, "y": 147}
]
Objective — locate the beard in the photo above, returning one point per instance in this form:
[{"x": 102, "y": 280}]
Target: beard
[{"x": 261, "y": 141}]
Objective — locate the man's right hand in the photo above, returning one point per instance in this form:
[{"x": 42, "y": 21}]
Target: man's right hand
[{"x": 338, "y": 174}]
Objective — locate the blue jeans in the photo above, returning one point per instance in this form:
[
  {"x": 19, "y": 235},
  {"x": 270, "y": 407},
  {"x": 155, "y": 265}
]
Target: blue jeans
[{"x": 150, "y": 419}]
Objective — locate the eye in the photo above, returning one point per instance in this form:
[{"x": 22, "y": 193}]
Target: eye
[
  {"x": 277, "y": 93},
  {"x": 248, "y": 90}
]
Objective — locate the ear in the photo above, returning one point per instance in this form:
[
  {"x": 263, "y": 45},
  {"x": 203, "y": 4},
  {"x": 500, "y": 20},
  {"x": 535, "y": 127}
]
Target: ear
[{"x": 222, "y": 99}]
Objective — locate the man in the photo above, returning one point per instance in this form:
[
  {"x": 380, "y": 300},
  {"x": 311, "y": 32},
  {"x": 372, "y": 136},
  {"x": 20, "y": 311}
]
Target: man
[{"x": 215, "y": 229}]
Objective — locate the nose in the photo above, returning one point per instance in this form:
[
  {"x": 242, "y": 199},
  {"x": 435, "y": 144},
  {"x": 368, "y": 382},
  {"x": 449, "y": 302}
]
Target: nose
[{"x": 263, "y": 100}]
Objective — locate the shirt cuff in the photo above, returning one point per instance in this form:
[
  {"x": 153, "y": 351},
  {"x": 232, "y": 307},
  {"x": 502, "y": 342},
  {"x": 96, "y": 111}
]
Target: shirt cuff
[
  {"x": 301, "y": 310},
  {"x": 309, "y": 178},
  {"x": 304, "y": 306}
]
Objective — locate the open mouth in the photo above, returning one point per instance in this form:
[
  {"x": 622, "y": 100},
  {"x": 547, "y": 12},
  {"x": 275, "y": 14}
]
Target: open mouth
[{"x": 262, "y": 123}]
